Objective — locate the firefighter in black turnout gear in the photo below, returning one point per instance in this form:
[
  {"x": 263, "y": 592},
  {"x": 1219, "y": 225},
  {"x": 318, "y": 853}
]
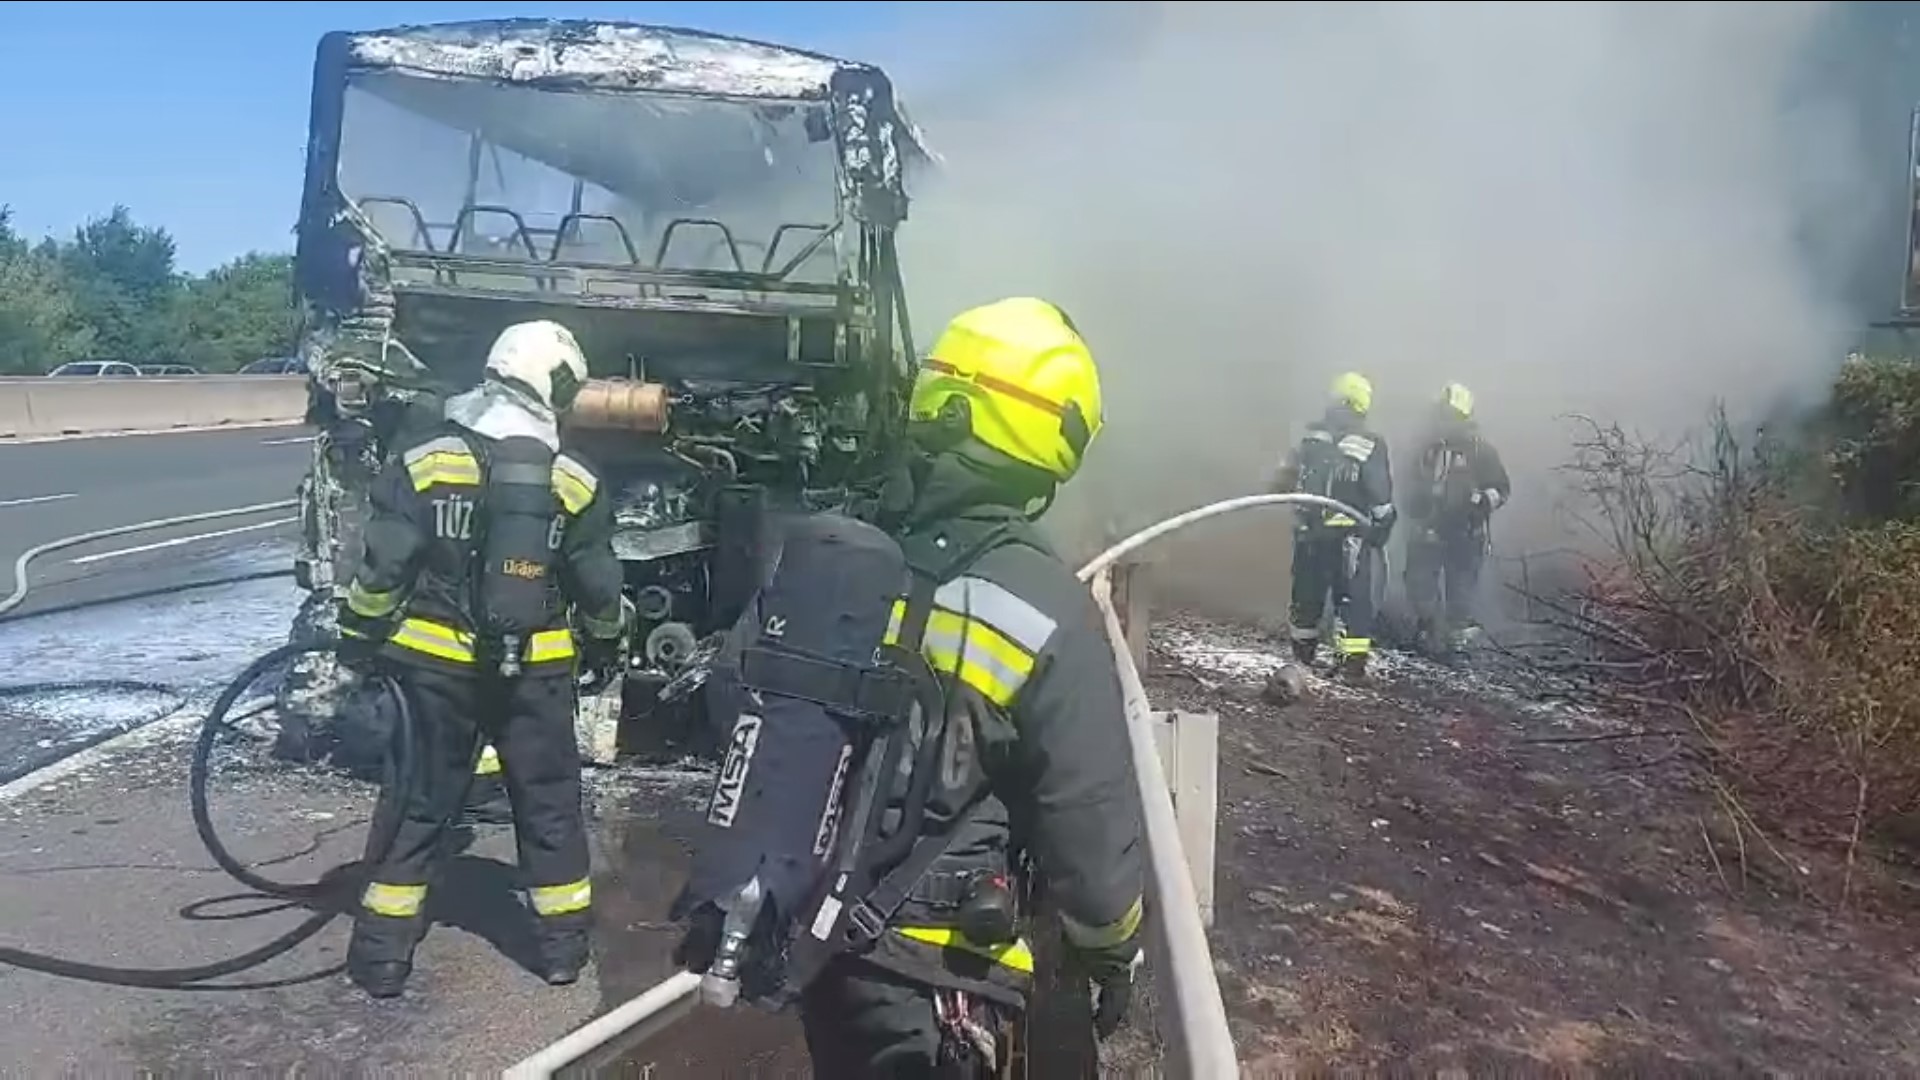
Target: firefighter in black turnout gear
[
  {"x": 484, "y": 543},
  {"x": 1035, "y": 791},
  {"x": 1339, "y": 458},
  {"x": 1459, "y": 483},
  {"x": 951, "y": 681}
]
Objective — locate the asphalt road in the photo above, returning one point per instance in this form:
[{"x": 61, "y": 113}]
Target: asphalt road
[
  {"x": 102, "y": 865},
  {"x": 50, "y": 490}
]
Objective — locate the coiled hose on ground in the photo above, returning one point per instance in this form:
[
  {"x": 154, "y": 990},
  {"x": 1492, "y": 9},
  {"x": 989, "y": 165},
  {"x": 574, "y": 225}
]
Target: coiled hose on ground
[{"x": 323, "y": 894}]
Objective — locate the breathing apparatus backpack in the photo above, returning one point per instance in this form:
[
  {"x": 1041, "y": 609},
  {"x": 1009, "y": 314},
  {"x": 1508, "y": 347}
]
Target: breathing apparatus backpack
[
  {"x": 791, "y": 863},
  {"x": 517, "y": 535},
  {"x": 1447, "y": 483},
  {"x": 1328, "y": 470}
]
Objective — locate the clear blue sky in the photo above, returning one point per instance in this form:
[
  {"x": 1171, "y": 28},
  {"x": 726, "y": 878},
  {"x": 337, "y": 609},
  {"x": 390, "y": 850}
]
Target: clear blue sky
[{"x": 194, "y": 114}]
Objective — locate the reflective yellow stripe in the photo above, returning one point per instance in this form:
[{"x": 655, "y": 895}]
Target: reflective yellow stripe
[
  {"x": 550, "y": 645},
  {"x": 573, "y": 484},
  {"x": 489, "y": 762},
  {"x": 992, "y": 663},
  {"x": 1016, "y": 955},
  {"x": 978, "y": 654},
  {"x": 1101, "y": 937},
  {"x": 1340, "y": 520},
  {"x": 369, "y": 604},
  {"x": 394, "y": 901},
  {"x": 448, "y": 469},
  {"x": 561, "y": 899},
  {"x": 445, "y": 460},
  {"x": 435, "y": 640},
  {"x": 1353, "y": 646},
  {"x": 1016, "y": 620},
  {"x": 446, "y": 643}
]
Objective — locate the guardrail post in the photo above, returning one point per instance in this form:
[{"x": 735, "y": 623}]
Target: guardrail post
[
  {"x": 1130, "y": 602},
  {"x": 1189, "y": 746}
]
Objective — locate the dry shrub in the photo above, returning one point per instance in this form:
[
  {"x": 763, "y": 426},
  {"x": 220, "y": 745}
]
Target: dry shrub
[{"x": 1790, "y": 636}]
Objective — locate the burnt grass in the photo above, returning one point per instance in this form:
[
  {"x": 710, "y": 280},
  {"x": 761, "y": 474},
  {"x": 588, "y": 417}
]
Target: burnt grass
[{"x": 1410, "y": 876}]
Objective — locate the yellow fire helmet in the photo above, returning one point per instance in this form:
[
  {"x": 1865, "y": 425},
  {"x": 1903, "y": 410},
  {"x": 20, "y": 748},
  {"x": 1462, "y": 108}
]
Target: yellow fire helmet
[
  {"x": 1354, "y": 391},
  {"x": 1458, "y": 398},
  {"x": 1019, "y": 373}
]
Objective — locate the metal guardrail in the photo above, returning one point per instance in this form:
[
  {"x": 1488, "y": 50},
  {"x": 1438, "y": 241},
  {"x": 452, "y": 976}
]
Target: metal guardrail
[{"x": 1194, "y": 1031}]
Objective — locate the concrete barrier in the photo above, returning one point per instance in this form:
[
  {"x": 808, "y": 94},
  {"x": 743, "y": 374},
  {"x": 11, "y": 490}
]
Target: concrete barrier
[{"x": 33, "y": 407}]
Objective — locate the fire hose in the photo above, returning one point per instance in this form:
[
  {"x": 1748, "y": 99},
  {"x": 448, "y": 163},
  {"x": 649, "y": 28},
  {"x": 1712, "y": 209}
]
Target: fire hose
[
  {"x": 323, "y": 894},
  {"x": 1225, "y": 506}
]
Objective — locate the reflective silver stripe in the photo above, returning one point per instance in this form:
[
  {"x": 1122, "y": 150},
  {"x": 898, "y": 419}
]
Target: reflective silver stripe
[
  {"x": 1304, "y": 633},
  {"x": 1319, "y": 435},
  {"x": 445, "y": 444},
  {"x": 1021, "y": 622},
  {"x": 1358, "y": 447},
  {"x": 576, "y": 472}
]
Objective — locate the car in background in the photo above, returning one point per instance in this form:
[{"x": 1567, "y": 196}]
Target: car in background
[
  {"x": 276, "y": 365},
  {"x": 95, "y": 369},
  {"x": 168, "y": 369}
]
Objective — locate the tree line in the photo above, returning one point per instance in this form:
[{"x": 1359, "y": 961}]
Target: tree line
[{"x": 112, "y": 292}]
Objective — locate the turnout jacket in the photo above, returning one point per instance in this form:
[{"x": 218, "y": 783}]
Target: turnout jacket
[
  {"x": 416, "y": 572},
  {"x": 1456, "y": 461},
  {"x": 1341, "y": 458},
  {"x": 1027, "y": 662}
]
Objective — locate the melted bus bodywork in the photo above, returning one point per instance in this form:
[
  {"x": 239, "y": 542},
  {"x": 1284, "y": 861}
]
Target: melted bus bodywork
[{"x": 713, "y": 218}]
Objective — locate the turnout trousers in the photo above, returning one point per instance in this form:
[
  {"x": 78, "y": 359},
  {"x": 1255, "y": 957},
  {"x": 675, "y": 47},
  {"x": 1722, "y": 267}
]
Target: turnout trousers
[
  {"x": 1443, "y": 579},
  {"x": 864, "y": 1022},
  {"x": 1337, "y": 563},
  {"x": 529, "y": 722}
]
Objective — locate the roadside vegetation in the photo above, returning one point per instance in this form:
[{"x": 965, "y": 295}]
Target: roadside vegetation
[
  {"x": 1765, "y": 587},
  {"x": 112, "y": 292}
]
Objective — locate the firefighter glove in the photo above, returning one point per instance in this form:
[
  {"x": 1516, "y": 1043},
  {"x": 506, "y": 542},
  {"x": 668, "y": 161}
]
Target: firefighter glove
[
  {"x": 1113, "y": 972},
  {"x": 1381, "y": 527},
  {"x": 360, "y": 638}
]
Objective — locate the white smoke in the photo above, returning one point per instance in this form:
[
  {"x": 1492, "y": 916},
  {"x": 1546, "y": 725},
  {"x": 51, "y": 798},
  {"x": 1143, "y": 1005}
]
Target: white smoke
[{"x": 1574, "y": 207}]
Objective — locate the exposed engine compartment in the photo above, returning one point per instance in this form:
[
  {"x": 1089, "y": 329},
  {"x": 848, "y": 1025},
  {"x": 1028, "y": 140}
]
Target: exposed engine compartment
[{"x": 692, "y": 464}]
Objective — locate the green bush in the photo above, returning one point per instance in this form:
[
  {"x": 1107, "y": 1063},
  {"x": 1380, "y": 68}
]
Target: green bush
[{"x": 1872, "y": 426}]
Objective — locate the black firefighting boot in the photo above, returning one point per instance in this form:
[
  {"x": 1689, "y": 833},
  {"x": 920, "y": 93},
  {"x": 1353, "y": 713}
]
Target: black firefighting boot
[
  {"x": 564, "y": 947},
  {"x": 1353, "y": 667},
  {"x": 380, "y": 953}
]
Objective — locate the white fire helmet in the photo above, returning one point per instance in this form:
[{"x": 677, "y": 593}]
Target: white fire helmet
[{"x": 541, "y": 356}]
